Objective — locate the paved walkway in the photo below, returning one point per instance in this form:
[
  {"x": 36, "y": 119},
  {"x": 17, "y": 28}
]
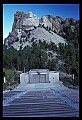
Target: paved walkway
[
  {"x": 72, "y": 93},
  {"x": 39, "y": 103},
  {"x": 42, "y": 100}
]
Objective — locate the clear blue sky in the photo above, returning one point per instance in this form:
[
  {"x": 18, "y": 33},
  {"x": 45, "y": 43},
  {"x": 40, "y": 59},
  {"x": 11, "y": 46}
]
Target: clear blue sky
[{"x": 62, "y": 10}]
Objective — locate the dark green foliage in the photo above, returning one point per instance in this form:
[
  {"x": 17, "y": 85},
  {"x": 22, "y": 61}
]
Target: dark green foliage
[
  {"x": 51, "y": 46},
  {"x": 52, "y": 64},
  {"x": 36, "y": 57},
  {"x": 50, "y": 54},
  {"x": 69, "y": 54},
  {"x": 29, "y": 57},
  {"x": 12, "y": 78},
  {"x": 68, "y": 81},
  {"x": 43, "y": 45}
]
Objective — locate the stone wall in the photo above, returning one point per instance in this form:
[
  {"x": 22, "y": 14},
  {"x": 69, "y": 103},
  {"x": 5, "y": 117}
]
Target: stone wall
[
  {"x": 24, "y": 78},
  {"x": 53, "y": 76},
  {"x": 39, "y": 76}
]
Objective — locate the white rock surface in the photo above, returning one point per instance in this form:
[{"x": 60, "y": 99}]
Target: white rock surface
[
  {"x": 17, "y": 45},
  {"x": 32, "y": 19},
  {"x": 46, "y": 22},
  {"x": 40, "y": 34}
]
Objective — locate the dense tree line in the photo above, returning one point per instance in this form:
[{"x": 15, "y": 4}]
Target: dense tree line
[
  {"x": 29, "y": 57},
  {"x": 37, "y": 57}
]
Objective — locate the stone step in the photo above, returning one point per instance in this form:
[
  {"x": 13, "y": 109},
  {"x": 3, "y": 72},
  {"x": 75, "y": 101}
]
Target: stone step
[
  {"x": 22, "y": 113},
  {"x": 38, "y": 104},
  {"x": 47, "y": 115}
]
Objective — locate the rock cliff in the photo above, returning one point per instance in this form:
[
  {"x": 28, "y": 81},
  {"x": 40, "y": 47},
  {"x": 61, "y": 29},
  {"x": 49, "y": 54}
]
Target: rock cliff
[{"x": 28, "y": 26}]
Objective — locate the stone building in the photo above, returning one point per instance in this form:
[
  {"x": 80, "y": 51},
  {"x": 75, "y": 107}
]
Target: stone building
[
  {"x": 24, "y": 78},
  {"x": 39, "y": 76},
  {"x": 53, "y": 76}
]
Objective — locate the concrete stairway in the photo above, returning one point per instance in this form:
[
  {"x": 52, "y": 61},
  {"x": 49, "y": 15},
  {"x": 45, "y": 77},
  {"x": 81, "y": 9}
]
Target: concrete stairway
[
  {"x": 40, "y": 103},
  {"x": 6, "y": 95}
]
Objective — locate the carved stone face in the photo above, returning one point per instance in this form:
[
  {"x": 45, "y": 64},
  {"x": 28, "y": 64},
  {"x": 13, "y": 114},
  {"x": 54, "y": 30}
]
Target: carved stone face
[
  {"x": 30, "y": 14},
  {"x": 44, "y": 19},
  {"x": 31, "y": 21}
]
